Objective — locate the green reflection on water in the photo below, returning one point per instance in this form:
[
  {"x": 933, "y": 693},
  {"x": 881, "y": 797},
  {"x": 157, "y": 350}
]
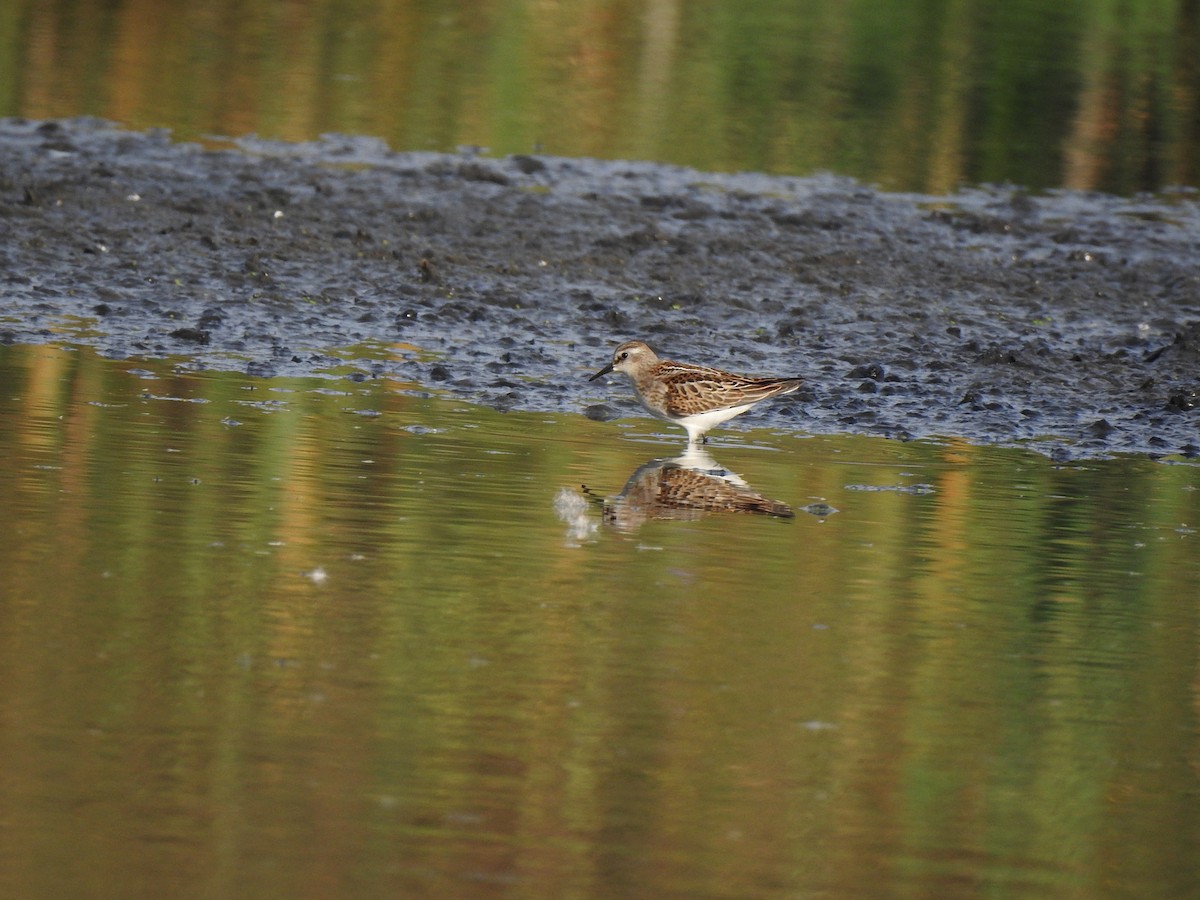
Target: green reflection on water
[
  {"x": 910, "y": 95},
  {"x": 310, "y": 637}
]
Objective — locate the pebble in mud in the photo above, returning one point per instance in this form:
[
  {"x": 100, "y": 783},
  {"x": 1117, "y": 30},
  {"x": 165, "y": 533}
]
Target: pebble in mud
[
  {"x": 601, "y": 412},
  {"x": 997, "y": 316}
]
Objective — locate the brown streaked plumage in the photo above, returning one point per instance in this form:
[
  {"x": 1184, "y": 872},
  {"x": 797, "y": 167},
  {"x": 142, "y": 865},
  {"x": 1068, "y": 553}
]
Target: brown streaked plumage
[
  {"x": 686, "y": 488},
  {"x": 696, "y": 397}
]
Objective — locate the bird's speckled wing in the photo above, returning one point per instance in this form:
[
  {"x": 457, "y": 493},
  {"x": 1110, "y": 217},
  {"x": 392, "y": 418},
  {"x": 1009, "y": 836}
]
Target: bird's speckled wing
[{"x": 696, "y": 389}]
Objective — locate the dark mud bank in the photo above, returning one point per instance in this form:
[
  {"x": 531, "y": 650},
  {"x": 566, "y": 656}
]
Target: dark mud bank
[{"x": 991, "y": 315}]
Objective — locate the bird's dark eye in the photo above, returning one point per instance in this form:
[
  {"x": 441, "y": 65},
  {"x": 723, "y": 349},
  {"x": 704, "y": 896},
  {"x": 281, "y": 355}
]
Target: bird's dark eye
[{"x": 625, "y": 355}]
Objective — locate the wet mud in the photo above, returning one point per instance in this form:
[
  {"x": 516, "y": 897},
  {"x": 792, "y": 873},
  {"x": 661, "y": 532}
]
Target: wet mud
[{"x": 1067, "y": 320}]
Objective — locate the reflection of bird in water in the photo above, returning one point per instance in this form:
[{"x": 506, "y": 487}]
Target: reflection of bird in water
[{"x": 685, "y": 488}]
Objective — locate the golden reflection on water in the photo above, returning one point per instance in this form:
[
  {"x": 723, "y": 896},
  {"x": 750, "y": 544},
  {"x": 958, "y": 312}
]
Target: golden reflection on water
[
  {"x": 318, "y": 637},
  {"x": 910, "y": 96}
]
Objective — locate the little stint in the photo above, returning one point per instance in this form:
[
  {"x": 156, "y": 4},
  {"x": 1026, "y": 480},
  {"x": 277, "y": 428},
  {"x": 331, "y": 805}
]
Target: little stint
[{"x": 696, "y": 397}]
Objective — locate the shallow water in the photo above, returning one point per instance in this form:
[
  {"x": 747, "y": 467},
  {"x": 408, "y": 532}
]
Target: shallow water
[
  {"x": 309, "y": 637},
  {"x": 917, "y": 96}
]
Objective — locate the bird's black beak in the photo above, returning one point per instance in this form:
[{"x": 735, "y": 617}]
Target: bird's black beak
[{"x": 603, "y": 371}]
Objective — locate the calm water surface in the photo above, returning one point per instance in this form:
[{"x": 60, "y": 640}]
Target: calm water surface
[
  {"x": 328, "y": 637},
  {"x": 918, "y": 95}
]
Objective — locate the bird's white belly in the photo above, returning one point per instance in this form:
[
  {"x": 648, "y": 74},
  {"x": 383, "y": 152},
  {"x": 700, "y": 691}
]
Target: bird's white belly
[{"x": 706, "y": 420}]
